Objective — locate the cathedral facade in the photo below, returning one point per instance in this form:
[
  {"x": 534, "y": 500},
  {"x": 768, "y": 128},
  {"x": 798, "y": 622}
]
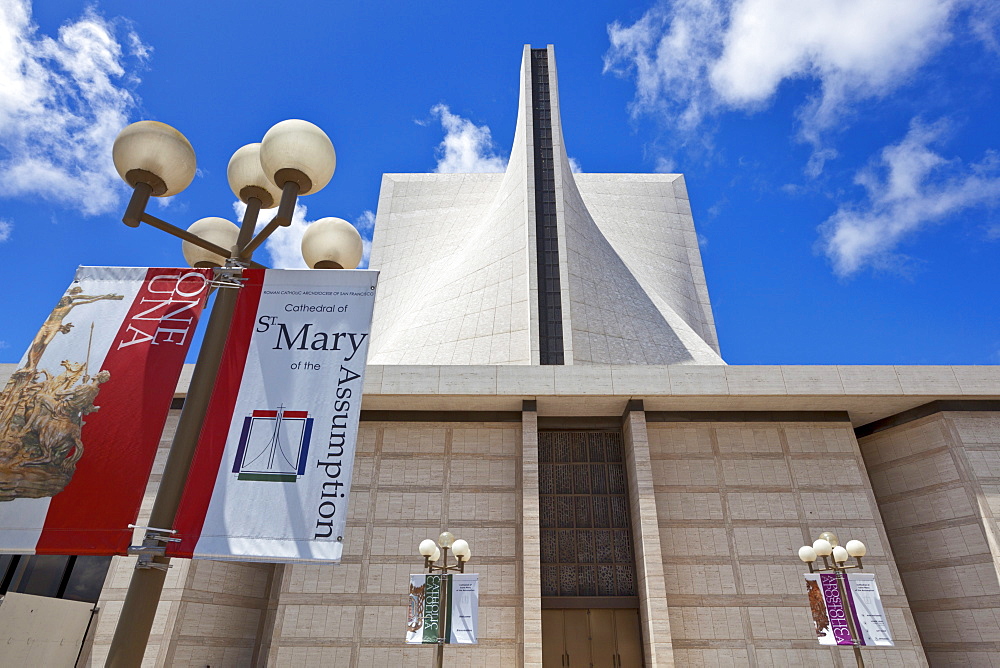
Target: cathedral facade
[{"x": 545, "y": 381}]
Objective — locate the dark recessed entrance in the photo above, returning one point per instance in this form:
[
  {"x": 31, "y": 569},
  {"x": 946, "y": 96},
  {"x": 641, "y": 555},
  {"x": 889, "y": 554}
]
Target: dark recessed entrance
[{"x": 590, "y": 611}]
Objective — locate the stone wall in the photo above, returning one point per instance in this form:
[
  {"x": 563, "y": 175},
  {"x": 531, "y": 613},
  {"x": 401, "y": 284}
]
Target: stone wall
[
  {"x": 412, "y": 480},
  {"x": 756, "y": 489},
  {"x": 937, "y": 481},
  {"x": 760, "y": 490}
]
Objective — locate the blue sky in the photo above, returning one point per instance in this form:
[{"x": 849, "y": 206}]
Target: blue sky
[{"x": 842, "y": 157}]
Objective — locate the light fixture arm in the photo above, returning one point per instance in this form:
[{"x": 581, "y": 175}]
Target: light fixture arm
[
  {"x": 246, "y": 252},
  {"x": 135, "y": 213},
  {"x": 289, "y": 195},
  {"x": 136, "y": 208},
  {"x": 442, "y": 565},
  {"x": 249, "y": 222}
]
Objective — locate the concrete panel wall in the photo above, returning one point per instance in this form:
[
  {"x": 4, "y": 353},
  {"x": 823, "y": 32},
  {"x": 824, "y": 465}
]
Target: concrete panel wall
[
  {"x": 759, "y": 491},
  {"x": 411, "y": 480},
  {"x": 937, "y": 481}
]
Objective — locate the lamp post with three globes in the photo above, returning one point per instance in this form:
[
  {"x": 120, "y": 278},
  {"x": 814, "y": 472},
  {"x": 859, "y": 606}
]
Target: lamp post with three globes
[
  {"x": 827, "y": 546},
  {"x": 294, "y": 158},
  {"x": 436, "y": 561}
]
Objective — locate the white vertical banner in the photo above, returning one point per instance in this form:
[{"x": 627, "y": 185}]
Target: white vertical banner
[
  {"x": 868, "y": 610},
  {"x": 272, "y": 473},
  {"x": 463, "y": 614}
]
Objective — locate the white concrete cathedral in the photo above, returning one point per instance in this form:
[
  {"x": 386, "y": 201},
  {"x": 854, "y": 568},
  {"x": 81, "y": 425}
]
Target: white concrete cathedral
[
  {"x": 461, "y": 254},
  {"x": 545, "y": 382}
]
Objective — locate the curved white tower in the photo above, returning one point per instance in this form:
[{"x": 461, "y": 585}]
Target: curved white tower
[{"x": 539, "y": 265}]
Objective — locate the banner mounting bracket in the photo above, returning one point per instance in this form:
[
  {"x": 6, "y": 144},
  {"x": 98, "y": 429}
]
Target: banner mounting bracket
[{"x": 153, "y": 545}]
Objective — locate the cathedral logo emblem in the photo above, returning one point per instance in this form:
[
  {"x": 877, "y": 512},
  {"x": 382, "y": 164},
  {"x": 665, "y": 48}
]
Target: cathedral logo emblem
[{"x": 274, "y": 446}]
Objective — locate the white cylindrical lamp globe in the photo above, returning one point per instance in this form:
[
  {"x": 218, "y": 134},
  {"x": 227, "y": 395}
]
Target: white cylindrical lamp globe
[
  {"x": 856, "y": 548},
  {"x": 247, "y": 178},
  {"x": 218, "y": 231},
  {"x": 154, "y": 153},
  {"x": 822, "y": 547},
  {"x": 297, "y": 150},
  {"x": 427, "y": 547},
  {"x": 460, "y": 547},
  {"x": 332, "y": 243}
]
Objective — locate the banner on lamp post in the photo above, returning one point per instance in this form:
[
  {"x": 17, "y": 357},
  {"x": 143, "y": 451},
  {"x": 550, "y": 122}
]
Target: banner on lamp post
[
  {"x": 271, "y": 475},
  {"x": 81, "y": 417},
  {"x": 443, "y": 606},
  {"x": 864, "y": 606}
]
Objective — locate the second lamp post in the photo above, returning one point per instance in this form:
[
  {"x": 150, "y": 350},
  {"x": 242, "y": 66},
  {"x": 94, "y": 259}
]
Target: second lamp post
[{"x": 436, "y": 561}]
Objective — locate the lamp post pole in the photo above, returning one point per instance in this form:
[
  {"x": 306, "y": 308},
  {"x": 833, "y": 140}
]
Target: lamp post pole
[
  {"x": 835, "y": 558},
  {"x": 433, "y": 553},
  {"x": 156, "y": 160}
]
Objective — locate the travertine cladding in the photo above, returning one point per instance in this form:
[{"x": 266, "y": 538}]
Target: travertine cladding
[
  {"x": 531, "y": 545},
  {"x": 654, "y": 615},
  {"x": 758, "y": 491},
  {"x": 937, "y": 481},
  {"x": 411, "y": 480},
  {"x": 457, "y": 254}
]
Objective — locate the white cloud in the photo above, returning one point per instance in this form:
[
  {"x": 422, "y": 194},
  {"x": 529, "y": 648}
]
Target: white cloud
[
  {"x": 908, "y": 187},
  {"x": 695, "y": 58},
  {"x": 665, "y": 165},
  {"x": 6, "y": 228},
  {"x": 366, "y": 226},
  {"x": 985, "y": 24},
  {"x": 64, "y": 100},
  {"x": 284, "y": 246},
  {"x": 467, "y": 147},
  {"x": 366, "y": 223},
  {"x": 574, "y": 166}
]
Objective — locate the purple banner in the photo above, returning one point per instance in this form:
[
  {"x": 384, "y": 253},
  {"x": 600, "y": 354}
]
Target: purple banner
[{"x": 835, "y": 609}]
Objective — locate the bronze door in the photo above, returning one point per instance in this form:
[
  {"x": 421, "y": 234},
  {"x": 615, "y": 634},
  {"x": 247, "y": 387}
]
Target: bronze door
[{"x": 594, "y": 638}]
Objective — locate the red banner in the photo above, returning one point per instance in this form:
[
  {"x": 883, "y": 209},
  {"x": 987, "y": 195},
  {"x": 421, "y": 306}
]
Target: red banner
[{"x": 81, "y": 418}]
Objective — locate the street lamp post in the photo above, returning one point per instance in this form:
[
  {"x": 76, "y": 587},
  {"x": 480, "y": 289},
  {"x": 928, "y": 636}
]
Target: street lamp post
[
  {"x": 438, "y": 552},
  {"x": 835, "y": 559},
  {"x": 294, "y": 158}
]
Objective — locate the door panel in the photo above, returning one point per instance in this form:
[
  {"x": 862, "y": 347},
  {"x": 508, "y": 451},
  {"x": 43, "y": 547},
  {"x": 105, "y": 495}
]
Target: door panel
[
  {"x": 629, "y": 638},
  {"x": 577, "y": 638},
  {"x": 602, "y": 637},
  {"x": 553, "y": 639},
  {"x": 595, "y": 638}
]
